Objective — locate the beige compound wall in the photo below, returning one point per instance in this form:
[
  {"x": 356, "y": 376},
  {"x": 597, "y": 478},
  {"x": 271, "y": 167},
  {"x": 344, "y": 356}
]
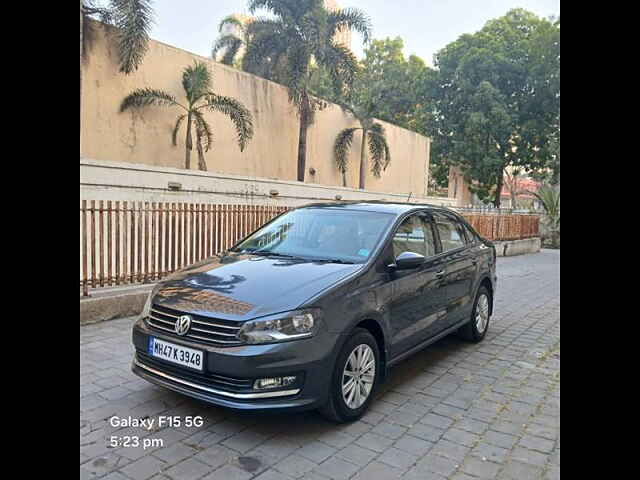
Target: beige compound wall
[{"x": 144, "y": 137}]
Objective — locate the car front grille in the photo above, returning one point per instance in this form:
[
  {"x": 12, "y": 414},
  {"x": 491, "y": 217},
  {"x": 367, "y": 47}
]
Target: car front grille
[
  {"x": 203, "y": 329},
  {"x": 220, "y": 382}
]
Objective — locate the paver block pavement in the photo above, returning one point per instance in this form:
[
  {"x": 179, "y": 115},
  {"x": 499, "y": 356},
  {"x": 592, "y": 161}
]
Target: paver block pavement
[{"x": 456, "y": 410}]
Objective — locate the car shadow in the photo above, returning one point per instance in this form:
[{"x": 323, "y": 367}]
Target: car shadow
[{"x": 401, "y": 381}]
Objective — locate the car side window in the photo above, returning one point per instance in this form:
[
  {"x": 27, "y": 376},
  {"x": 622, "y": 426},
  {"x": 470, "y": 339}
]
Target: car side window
[
  {"x": 450, "y": 231},
  {"x": 471, "y": 236},
  {"x": 414, "y": 235}
]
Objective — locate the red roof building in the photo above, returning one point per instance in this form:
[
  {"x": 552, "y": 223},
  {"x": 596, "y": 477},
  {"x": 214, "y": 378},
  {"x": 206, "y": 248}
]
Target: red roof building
[{"x": 522, "y": 185}]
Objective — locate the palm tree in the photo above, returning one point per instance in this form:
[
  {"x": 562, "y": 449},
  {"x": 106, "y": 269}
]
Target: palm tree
[
  {"x": 298, "y": 35},
  {"x": 230, "y": 43},
  {"x": 196, "y": 82},
  {"x": 133, "y": 19},
  {"x": 373, "y": 137},
  {"x": 549, "y": 197}
]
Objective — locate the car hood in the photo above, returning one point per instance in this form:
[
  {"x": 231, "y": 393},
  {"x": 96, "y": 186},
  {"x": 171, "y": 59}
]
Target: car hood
[{"x": 241, "y": 287}]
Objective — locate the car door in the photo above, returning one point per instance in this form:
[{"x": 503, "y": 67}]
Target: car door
[
  {"x": 459, "y": 265},
  {"x": 417, "y": 300},
  {"x": 482, "y": 253}
]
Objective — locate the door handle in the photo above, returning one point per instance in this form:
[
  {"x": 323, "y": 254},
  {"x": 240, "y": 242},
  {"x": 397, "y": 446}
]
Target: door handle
[{"x": 440, "y": 274}]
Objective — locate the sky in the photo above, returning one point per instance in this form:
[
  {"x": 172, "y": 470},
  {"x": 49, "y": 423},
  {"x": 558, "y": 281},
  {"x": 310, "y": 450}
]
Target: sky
[{"x": 426, "y": 26}]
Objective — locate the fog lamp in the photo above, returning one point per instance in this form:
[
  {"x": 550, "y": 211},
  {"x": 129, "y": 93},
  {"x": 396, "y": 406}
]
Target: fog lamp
[{"x": 274, "y": 382}]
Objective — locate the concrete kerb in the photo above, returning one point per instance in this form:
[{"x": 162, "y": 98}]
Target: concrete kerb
[
  {"x": 507, "y": 248},
  {"x": 112, "y": 303}
]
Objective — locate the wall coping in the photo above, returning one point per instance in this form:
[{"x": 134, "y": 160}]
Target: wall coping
[{"x": 139, "y": 167}]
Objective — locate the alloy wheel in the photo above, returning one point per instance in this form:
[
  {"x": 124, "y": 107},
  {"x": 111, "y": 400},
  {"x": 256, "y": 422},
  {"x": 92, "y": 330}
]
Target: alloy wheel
[
  {"x": 358, "y": 376},
  {"x": 482, "y": 313}
]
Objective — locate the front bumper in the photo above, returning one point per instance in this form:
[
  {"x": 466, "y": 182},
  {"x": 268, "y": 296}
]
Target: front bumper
[{"x": 229, "y": 372}]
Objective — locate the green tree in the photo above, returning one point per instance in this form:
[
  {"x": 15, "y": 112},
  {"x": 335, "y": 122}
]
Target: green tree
[
  {"x": 196, "y": 82},
  {"x": 545, "y": 59},
  {"x": 494, "y": 100},
  {"x": 298, "y": 35},
  {"x": 396, "y": 83}
]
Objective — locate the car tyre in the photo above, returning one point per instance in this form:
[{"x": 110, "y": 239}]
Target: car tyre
[
  {"x": 355, "y": 357},
  {"x": 476, "y": 329}
]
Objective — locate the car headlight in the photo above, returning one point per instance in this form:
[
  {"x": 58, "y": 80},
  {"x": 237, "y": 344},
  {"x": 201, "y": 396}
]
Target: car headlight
[
  {"x": 282, "y": 327},
  {"x": 146, "y": 310}
]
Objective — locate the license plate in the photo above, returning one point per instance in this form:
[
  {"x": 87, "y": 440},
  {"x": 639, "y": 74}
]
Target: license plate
[{"x": 187, "y": 357}]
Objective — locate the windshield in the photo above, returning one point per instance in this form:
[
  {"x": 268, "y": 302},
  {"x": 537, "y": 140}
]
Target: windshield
[{"x": 320, "y": 234}]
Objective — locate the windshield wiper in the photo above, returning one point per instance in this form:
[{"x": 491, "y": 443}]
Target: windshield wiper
[
  {"x": 268, "y": 253},
  {"x": 334, "y": 260}
]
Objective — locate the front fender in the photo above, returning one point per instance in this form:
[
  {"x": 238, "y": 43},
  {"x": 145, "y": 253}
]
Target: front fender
[{"x": 375, "y": 322}]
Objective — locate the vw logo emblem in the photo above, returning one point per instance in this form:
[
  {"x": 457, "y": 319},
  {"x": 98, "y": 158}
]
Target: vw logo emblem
[{"x": 183, "y": 324}]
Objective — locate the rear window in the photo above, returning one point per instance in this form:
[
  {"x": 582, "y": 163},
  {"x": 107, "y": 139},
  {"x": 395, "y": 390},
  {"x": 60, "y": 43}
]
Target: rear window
[
  {"x": 451, "y": 233},
  {"x": 472, "y": 237}
]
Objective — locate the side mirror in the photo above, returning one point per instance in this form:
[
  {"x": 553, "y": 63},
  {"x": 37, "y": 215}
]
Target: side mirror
[{"x": 408, "y": 260}]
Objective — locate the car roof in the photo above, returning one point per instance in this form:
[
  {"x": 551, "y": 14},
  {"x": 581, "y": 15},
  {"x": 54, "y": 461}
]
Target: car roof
[{"x": 378, "y": 206}]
